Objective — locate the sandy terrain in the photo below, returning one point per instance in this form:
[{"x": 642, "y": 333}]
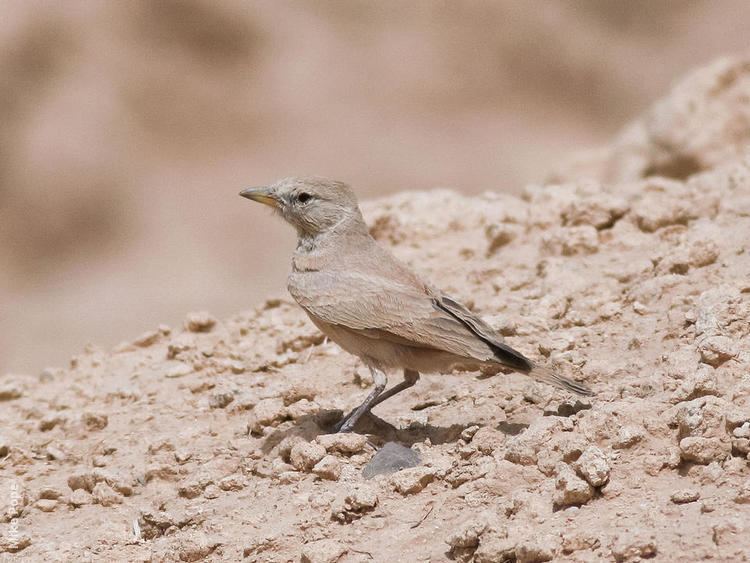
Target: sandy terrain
[{"x": 208, "y": 441}]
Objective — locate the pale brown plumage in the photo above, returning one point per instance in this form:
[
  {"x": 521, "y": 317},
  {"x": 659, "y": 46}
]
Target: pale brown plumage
[{"x": 372, "y": 305}]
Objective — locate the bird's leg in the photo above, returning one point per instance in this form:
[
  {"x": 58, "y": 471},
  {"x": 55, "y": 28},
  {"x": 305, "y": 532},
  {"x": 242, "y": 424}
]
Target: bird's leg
[
  {"x": 410, "y": 378},
  {"x": 379, "y": 379}
]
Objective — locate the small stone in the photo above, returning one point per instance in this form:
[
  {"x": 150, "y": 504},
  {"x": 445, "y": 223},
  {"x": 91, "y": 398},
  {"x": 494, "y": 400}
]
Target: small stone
[
  {"x": 390, "y": 458},
  {"x": 495, "y": 547},
  {"x": 468, "y": 534},
  {"x": 49, "y": 493},
  {"x": 95, "y": 421},
  {"x": 14, "y": 542},
  {"x": 220, "y": 400},
  {"x": 54, "y": 453},
  {"x": 46, "y": 505},
  {"x": 593, "y": 466},
  {"x": 268, "y": 412},
  {"x": 323, "y": 551},
  {"x": 79, "y": 497},
  {"x": 305, "y": 455},
  {"x": 298, "y": 392},
  {"x": 685, "y": 496},
  {"x": 234, "y": 482},
  {"x": 537, "y": 549},
  {"x": 743, "y": 495},
  {"x": 411, "y": 481},
  {"x": 634, "y": 546},
  {"x": 356, "y": 502},
  {"x": 627, "y": 437},
  {"x": 10, "y": 391},
  {"x": 180, "y": 369},
  {"x": 104, "y": 495},
  {"x": 703, "y": 450},
  {"x": 344, "y": 443},
  {"x": 571, "y": 490},
  {"x": 147, "y": 339},
  {"x": 199, "y": 322},
  {"x": 328, "y": 468},
  {"x": 715, "y": 350}
]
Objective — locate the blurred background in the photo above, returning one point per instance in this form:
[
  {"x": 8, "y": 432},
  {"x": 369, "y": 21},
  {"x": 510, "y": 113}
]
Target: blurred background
[{"x": 129, "y": 127}]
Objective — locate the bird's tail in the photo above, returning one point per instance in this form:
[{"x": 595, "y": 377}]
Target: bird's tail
[{"x": 546, "y": 375}]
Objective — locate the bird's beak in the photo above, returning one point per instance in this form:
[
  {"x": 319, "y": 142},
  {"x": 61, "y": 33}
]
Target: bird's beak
[{"x": 263, "y": 195}]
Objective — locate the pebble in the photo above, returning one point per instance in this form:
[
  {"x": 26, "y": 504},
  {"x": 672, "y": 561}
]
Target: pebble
[
  {"x": 411, "y": 481},
  {"x": 593, "y": 466},
  {"x": 685, "y": 496},
  {"x": 95, "y": 421},
  {"x": 703, "y": 450},
  {"x": 323, "y": 551},
  {"x": 220, "y": 400},
  {"x": 199, "y": 322},
  {"x": 346, "y": 443},
  {"x": 79, "y": 497},
  {"x": 358, "y": 500},
  {"x": 634, "y": 546},
  {"x": 305, "y": 455},
  {"x": 328, "y": 468},
  {"x": 571, "y": 489}
]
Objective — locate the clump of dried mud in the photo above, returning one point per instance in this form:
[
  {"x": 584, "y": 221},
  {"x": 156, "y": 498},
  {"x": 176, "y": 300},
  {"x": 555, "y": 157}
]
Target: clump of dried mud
[{"x": 208, "y": 441}]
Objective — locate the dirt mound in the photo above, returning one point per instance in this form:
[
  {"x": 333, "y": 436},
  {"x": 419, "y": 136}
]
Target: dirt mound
[{"x": 208, "y": 442}]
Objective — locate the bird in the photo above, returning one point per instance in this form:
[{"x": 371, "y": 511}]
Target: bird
[{"x": 359, "y": 295}]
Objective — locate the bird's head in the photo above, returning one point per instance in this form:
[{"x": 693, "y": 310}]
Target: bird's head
[{"x": 313, "y": 206}]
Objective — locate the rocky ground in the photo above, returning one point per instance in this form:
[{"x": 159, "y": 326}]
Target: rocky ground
[{"x": 629, "y": 271}]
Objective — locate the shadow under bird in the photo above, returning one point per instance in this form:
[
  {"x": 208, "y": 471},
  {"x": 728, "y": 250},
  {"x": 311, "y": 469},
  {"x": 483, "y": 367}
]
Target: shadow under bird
[{"x": 373, "y": 306}]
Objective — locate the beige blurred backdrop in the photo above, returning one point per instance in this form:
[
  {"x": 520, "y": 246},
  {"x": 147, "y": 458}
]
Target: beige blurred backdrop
[{"x": 129, "y": 127}]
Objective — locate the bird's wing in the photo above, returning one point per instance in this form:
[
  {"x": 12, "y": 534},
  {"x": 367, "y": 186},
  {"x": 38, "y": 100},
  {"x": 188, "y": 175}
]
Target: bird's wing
[{"x": 401, "y": 312}]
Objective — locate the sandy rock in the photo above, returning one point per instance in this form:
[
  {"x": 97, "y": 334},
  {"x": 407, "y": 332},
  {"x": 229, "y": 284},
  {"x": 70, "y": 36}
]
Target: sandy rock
[
  {"x": 220, "y": 400},
  {"x": 743, "y": 494},
  {"x": 599, "y": 211},
  {"x": 715, "y": 350},
  {"x": 46, "y": 505},
  {"x": 95, "y": 421},
  {"x": 199, "y": 322},
  {"x": 328, "y": 468},
  {"x": 196, "y": 547},
  {"x": 305, "y": 455},
  {"x": 104, "y": 494},
  {"x": 79, "y": 497},
  {"x": 703, "y": 450},
  {"x": 357, "y": 501},
  {"x": 495, "y": 546},
  {"x": 537, "y": 549},
  {"x": 593, "y": 466},
  {"x": 323, "y": 551},
  {"x": 468, "y": 534},
  {"x": 268, "y": 412},
  {"x": 298, "y": 392},
  {"x": 571, "y": 490},
  {"x": 411, "y": 481},
  {"x": 10, "y": 391},
  {"x": 13, "y": 541},
  {"x": 571, "y": 241},
  {"x": 147, "y": 339},
  {"x": 523, "y": 449},
  {"x": 344, "y": 443},
  {"x": 499, "y": 235},
  {"x": 627, "y": 437},
  {"x": 685, "y": 496},
  {"x": 634, "y": 546}
]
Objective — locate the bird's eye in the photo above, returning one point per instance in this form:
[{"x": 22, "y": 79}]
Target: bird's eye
[{"x": 303, "y": 197}]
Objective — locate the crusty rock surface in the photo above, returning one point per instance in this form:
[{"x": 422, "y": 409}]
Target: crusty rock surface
[{"x": 210, "y": 442}]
